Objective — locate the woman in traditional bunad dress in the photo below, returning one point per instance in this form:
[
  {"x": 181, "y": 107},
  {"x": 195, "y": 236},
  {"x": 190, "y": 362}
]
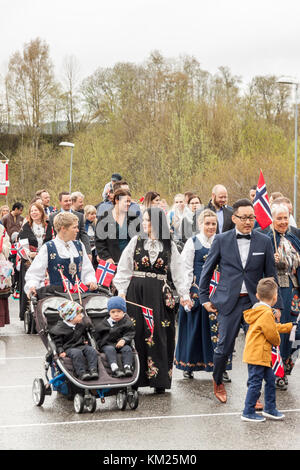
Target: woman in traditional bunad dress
[
  {"x": 287, "y": 261},
  {"x": 33, "y": 234},
  {"x": 146, "y": 269},
  {"x": 197, "y": 329},
  {"x": 64, "y": 255}
]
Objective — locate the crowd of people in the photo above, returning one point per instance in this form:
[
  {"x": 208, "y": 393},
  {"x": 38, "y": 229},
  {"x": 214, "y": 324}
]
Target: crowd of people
[{"x": 195, "y": 266}]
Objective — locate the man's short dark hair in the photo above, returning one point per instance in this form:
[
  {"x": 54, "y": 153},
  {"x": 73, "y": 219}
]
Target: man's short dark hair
[
  {"x": 253, "y": 187},
  {"x": 241, "y": 203},
  {"x": 63, "y": 193},
  {"x": 17, "y": 205},
  {"x": 116, "y": 177}
]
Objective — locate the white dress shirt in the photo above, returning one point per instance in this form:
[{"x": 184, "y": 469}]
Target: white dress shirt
[
  {"x": 35, "y": 276},
  {"x": 244, "y": 247}
]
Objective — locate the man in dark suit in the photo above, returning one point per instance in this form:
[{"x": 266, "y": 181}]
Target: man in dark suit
[
  {"x": 217, "y": 204},
  {"x": 244, "y": 256},
  {"x": 65, "y": 202}
]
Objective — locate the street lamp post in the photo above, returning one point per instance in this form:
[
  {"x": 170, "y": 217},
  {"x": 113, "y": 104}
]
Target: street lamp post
[
  {"x": 69, "y": 144},
  {"x": 293, "y": 82}
]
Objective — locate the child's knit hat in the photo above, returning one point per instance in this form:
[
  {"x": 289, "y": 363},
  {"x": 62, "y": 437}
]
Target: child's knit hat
[
  {"x": 116, "y": 303},
  {"x": 69, "y": 309}
]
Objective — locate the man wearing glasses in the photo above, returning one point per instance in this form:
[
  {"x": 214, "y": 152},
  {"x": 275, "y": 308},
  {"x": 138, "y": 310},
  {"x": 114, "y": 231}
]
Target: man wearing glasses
[{"x": 243, "y": 257}]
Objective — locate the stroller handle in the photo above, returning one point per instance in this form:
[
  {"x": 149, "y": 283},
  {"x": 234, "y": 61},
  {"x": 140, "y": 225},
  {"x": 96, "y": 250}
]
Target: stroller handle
[{"x": 33, "y": 299}]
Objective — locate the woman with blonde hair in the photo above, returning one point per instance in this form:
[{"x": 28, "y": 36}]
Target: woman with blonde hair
[
  {"x": 3, "y": 211},
  {"x": 197, "y": 330}
]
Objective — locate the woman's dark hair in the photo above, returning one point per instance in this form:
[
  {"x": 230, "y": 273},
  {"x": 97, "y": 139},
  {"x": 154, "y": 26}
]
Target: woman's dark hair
[
  {"x": 149, "y": 197},
  {"x": 160, "y": 226},
  {"x": 193, "y": 196},
  {"x": 120, "y": 193}
]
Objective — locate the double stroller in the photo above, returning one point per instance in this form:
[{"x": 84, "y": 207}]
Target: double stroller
[{"x": 63, "y": 380}]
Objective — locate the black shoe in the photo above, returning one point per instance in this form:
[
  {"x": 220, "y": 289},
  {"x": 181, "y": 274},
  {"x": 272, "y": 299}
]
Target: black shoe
[
  {"x": 188, "y": 374},
  {"x": 159, "y": 390},
  {"x": 226, "y": 377},
  {"x": 118, "y": 373},
  {"x": 84, "y": 376},
  {"x": 128, "y": 371},
  {"x": 94, "y": 374}
]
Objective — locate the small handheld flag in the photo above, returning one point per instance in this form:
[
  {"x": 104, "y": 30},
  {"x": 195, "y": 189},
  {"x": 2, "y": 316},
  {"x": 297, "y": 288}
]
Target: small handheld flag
[
  {"x": 105, "y": 273},
  {"x": 214, "y": 282},
  {"x": 277, "y": 364}
]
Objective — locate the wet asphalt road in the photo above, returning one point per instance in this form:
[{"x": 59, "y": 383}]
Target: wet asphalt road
[{"x": 186, "y": 418}]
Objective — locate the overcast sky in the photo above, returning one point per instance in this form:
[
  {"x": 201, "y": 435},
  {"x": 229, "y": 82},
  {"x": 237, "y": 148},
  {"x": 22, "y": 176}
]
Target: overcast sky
[{"x": 251, "y": 37}]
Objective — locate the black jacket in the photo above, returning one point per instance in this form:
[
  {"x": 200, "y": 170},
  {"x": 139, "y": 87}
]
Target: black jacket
[
  {"x": 66, "y": 337},
  {"x": 81, "y": 235},
  {"x": 106, "y": 239},
  {"x": 227, "y": 224},
  {"x": 106, "y": 334}
]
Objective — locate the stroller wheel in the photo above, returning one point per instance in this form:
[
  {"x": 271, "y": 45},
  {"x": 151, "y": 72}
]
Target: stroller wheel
[
  {"x": 78, "y": 403},
  {"x": 121, "y": 400},
  {"x": 90, "y": 404},
  {"x": 133, "y": 399},
  {"x": 38, "y": 392}
]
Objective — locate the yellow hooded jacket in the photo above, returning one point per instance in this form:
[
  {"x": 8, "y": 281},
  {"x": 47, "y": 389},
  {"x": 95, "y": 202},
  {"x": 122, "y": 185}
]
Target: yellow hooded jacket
[{"x": 262, "y": 334}]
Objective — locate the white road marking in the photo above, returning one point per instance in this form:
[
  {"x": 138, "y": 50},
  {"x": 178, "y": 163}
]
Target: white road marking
[{"x": 122, "y": 420}]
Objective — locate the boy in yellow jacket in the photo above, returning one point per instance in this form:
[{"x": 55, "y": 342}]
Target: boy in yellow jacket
[{"x": 263, "y": 333}]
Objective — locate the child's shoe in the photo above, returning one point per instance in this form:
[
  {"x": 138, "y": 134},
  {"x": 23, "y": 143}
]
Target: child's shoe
[
  {"x": 118, "y": 373},
  {"x": 254, "y": 417},
  {"x": 274, "y": 414},
  {"x": 127, "y": 370},
  {"x": 94, "y": 374}
]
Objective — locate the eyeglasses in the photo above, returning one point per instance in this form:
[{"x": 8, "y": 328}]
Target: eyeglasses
[{"x": 244, "y": 218}]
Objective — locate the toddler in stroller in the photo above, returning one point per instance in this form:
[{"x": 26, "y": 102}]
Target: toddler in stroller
[
  {"x": 71, "y": 339},
  {"x": 115, "y": 333},
  {"x": 83, "y": 390}
]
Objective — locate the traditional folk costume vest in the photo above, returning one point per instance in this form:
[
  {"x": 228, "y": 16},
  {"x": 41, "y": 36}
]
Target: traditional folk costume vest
[{"x": 55, "y": 261}]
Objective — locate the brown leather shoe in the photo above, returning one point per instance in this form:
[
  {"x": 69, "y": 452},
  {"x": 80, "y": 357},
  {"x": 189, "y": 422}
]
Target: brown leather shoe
[
  {"x": 259, "y": 406},
  {"x": 220, "y": 392}
]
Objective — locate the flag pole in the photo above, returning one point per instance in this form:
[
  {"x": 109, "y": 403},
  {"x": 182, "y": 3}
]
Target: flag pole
[
  {"x": 79, "y": 294},
  {"x": 137, "y": 305},
  {"x": 60, "y": 271}
]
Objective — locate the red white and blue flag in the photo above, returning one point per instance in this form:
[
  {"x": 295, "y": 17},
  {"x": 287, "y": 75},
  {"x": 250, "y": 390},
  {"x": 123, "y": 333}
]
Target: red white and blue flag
[
  {"x": 69, "y": 287},
  {"x": 277, "y": 364},
  {"x": 261, "y": 204},
  {"x": 148, "y": 315},
  {"x": 105, "y": 273},
  {"x": 214, "y": 282},
  {"x": 80, "y": 286}
]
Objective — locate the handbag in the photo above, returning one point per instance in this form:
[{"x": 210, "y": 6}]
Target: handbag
[{"x": 168, "y": 295}]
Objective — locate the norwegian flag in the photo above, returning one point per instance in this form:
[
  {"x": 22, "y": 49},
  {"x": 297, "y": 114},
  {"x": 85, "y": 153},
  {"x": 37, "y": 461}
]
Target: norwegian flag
[
  {"x": 277, "y": 364},
  {"x": 21, "y": 251},
  {"x": 80, "y": 286},
  {"x": 148, "y": 315},
  {"x": 214, "y": 282},
  {"x": 67, "y": 285},
  {"x": 261, "y": 204},
  {"x": 105, "y": 273}
]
